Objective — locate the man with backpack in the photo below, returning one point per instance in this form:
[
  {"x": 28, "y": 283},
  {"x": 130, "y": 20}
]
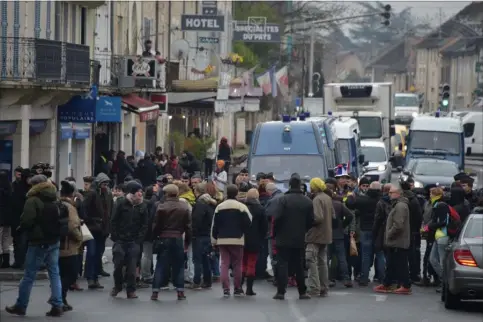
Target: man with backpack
[
  {"x": 444, "y": 225},
  {"x": 45, "y": 221}
]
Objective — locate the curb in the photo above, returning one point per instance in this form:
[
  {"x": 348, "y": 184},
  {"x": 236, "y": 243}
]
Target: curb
[{"x": 16, "y": 275}]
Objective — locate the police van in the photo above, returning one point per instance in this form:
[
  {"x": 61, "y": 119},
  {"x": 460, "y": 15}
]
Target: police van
[
  {"x": 327, "y": 132},
  {"x": 436, "y": 137},
  {"x": 348, "y": 145},
  {"x": 473, "y": 128},
  {"x": 285, "y": 147}
]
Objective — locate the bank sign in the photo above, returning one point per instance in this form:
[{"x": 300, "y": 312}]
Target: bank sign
[
  {"x": 202, "y": 23},
  {"x": 242, "y": 31}
]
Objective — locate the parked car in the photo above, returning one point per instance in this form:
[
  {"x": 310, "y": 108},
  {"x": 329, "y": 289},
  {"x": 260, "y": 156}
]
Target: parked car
[
  {"x": 377, "y": 166},
  {"x": 426, "y": 171},
  {"x": 463, "y": 265}
]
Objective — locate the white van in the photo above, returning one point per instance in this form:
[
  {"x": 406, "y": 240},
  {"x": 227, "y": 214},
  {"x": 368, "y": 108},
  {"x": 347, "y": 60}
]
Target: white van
[{"x": 473, "y": 130}]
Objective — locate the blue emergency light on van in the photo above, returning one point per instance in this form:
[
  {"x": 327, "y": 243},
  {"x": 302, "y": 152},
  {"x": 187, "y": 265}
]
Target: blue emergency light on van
[
  {"x": 286, "y": 118},
  {"x": 307, "y": 114},
  {"x": 302, "y": 117},
  {"x": 285, "y": 148}
]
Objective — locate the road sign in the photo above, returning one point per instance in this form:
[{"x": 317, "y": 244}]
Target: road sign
[
  {"x": 208, "y": 40},
  {"x": 202, "y": 23},
  {"x": 268, "y": 32}
]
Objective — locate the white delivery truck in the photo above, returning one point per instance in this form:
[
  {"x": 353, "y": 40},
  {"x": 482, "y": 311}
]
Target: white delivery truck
[
  {"x": 406, "y": 107},
  {"x": 369, "y": 103}
]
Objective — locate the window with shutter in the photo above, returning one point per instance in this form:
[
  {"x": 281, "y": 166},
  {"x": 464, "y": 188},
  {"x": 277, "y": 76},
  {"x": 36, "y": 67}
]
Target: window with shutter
[{"x": 147, "y": 29}]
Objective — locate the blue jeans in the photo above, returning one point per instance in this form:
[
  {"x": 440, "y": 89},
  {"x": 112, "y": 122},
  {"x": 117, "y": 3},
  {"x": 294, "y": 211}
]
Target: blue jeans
[
  {"x": 380, "y": 263},
  {"x": 36, "y": 257},
  {"x": 367, "y": 250},
  {"x": 436, "y": 258},
  {"x": 170, "y": 252},
  {"x": 201, "y": 258},
  {"x": 94, "y": 256},
  {"x": 337, "y": 248}
]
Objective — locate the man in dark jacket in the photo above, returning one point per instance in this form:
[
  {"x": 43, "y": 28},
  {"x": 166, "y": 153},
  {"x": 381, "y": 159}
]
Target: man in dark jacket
[
  {"x": 19, "y": 197},
  {"x": 459, "y": 203},
  {"x": 416, "y": 219},
  {"x": 98, "y": 205},
  {"x": 146, "y": 171},
  {"x": 121, "y": 167},
  {"x": 383, "y": 208},
  {"x": 129, "y": 225},
  {"x": 343, "y": 218},
  {"x": 292, "y": 219},
  {"x": 202, "y": 217},
  {"x": 365, "y": 206},
  {"x": 102, "y": 164},
  {"x": 172, "y": 222},
  {"x": 39, "y": 219}
]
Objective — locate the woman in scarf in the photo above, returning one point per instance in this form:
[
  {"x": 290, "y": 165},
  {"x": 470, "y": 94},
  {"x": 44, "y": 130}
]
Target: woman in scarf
[{"x": 220, "y": 176}]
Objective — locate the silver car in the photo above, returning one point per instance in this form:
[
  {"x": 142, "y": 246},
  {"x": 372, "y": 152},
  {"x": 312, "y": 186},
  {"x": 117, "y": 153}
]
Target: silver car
[
  {"x": 376, "y": 166},
  {"x": 463, "y": 265}
]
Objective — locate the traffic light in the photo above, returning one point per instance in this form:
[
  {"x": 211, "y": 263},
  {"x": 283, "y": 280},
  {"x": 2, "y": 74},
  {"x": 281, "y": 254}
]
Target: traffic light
[
  {"x": 444, "y": 95},
  {"x": 386, "y": 14}
]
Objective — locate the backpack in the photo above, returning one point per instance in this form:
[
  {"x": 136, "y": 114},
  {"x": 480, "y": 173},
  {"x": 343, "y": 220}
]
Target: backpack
[
  {"x": 454, "y": 222},
  {"x": 54, "y": 220}
]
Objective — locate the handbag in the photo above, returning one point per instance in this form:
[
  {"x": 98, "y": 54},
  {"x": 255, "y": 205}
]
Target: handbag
[{"x": 86, "y": 233}]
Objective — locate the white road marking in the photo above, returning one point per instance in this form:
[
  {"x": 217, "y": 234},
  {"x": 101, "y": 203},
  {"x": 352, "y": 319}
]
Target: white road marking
[
  {"x": 339, "y": 293},
  {"x": 380, "y": 298},
  {"x": 296, "y": 311}
]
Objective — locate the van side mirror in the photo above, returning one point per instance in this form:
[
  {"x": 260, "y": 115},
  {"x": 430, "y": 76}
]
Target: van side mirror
[{"x": 361, "y": 158}]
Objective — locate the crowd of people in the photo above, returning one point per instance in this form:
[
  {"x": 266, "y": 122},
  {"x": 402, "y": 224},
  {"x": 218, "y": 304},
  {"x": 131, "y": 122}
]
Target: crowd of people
[{"x": 202, "y": 230}]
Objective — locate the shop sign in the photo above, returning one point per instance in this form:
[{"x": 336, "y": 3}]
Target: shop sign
[
  {"x": 148, "y": 116},
  {"x": 202, "y": 23}
]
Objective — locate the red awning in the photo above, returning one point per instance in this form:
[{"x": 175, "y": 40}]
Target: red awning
[{"x": 138, "y": 104}]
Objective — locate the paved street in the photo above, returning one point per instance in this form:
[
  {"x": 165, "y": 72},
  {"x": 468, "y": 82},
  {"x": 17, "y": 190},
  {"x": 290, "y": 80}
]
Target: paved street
[{"x": 357, "y": 304}]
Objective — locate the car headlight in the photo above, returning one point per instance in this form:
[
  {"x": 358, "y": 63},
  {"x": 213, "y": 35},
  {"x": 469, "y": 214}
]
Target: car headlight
[
  {"x": 415, "y": 114},
  {"x": 382, "y": 167},
  {"x": 418, "y": 184}
]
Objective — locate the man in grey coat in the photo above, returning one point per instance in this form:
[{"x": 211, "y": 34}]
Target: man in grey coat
[{"x": 397, "y": 240}]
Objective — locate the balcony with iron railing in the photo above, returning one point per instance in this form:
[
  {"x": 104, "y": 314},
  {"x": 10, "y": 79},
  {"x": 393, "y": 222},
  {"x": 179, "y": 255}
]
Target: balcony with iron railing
[
  {"x": 91, "y": 4},
  {"x": 43, "y": 62}
]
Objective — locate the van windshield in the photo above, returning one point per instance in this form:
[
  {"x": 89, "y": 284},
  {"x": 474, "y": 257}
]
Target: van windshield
[
  {"x": 370, "y": 127},
  {"x": 406, "y": 101},
  {"x": 283, "y": 166},
  {"x": 443, "y": 141},
  {"x": 298, "y": 139}
]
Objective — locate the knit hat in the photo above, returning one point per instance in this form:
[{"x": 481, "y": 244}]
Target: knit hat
[
  {"x": 220, "y": 163},
  {"x": 364, "y": 180},
  {"x": 39, "y": 178},
  {"x": 66, "y": 188},
  {"x": 133, "y": 187},
  {"x": 317, "y": 184}
]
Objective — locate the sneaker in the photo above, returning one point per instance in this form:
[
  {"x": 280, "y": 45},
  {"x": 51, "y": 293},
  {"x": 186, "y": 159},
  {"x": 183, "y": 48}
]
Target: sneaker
[
  {"x": 324, "y": 293},
  {"x": 55, "y": 311},
  {"x": 164, "y": 288},
  {"x": 131, "y": 295},
  {"x": 363, "y": 284},
  {"x": 115, "y": 291},
  {"x": 75, "y": 287},
  {"x": 279, "y": 296},
  {"x": 304, "y": 296},
  {"x": 382, "y": 289},
  {"x": 154, "y": 296},
  {"x": 67, "y": 308},
  {"x": 103, "y": 273},
  {"x": 142, "y": 284},
  {"x": 15, "y": 310},
  {"x": 226, "y": 293},
  {"x": 181, "y": 296},
  {"x": 348, "y": 284},
  {"x": 239, "y": 292},
  {"x": 403, "y": 291},
  {"x": 206, "y": 286},
  {"x": 196, "y": 286},
  {"x": 94, "y": 285},
  {"x": 332, "y": 283}
]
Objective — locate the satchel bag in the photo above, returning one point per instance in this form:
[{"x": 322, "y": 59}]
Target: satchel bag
[{"x": 86, "y": 233}]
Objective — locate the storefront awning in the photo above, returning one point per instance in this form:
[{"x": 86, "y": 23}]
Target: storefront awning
[
  {"x": 186, "y": 97},
  {"x": 137, "y": 104}
]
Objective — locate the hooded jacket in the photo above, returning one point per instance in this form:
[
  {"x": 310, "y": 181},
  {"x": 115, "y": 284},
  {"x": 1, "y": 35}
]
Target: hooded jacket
[
  {"x": 98, "y": 206},
  {"x": 324, "y": 213},
  {"x": 459, "y": 203},
  {"x": 37, "y": 195},
  {"x": 129, "y": 222},
  {"x": 69, "y": 246},
  {"x": 398, "y": 229},
  {"x": 146, "y": 172},
  {"x": 415, "y": 212},
  {"x": 343, "y": 218},
  {"x": 189, "y": 163},
  {"x": 258, "y": 229},
  {"x": 365, "y": 206},
  {"x": 202, "y": 215}
]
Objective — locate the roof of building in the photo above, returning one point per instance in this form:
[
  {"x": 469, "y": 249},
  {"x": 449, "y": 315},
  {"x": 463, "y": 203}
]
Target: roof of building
[{"x": 391, "y": 56}]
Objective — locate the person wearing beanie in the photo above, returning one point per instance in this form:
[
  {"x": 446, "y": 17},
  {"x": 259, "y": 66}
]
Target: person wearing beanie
[
  {"x": 70, "y": 245},
  {"x": 294, "y": 218},
  {"x": 365, "y": 204},
  {"x": 129, "y": 225},
  {"x": 172, "y": 222},
  {"x": 19, "y": 197},
  {"x": 220, "y": 177},
  {"x": 318, "y": 239},
  {"x": 40, "y": 222}
]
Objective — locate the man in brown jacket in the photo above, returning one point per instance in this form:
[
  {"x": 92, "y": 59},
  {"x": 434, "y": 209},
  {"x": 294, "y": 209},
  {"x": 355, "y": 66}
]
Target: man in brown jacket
[
  {"x": 318, "y": 238},
  {"x": 396, "y": 241}
]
